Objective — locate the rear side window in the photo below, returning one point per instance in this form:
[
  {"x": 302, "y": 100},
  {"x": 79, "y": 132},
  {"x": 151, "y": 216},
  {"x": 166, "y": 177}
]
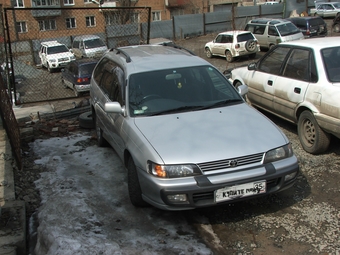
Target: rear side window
[
  {"x": 272, "y": 63},
  {"x": 98, "y": 73},
  {"x": 256, "y": 29}
]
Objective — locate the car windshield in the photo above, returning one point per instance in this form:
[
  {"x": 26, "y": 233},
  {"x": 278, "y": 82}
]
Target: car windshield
[
  {"x": 179, "y": 90},
  {"x": 288, "y": 29},
  {"x": 57, "y": 49},
  {"x": 94, "y": 43},
  {"x": 331, "y": 59}
]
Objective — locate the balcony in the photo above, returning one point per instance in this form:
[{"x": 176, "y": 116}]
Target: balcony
[
  {"x": 44, "y": 8},
  {"x": 40, "y": 13},
  {"x": 175, "y": 3}
]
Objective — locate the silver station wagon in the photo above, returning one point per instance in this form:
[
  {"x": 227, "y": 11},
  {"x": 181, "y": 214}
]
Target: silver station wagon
[{"x": 184, "y": 133}]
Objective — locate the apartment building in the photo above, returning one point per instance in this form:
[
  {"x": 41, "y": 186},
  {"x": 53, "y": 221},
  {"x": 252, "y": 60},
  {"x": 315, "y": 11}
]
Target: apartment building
[{"x": 39, "y": 24}]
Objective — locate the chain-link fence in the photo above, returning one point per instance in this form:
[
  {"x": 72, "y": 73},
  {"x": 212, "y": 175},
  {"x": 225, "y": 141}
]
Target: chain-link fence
[{"x": 35, "y": 39}]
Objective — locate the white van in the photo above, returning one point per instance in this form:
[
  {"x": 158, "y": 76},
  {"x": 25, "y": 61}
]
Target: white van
[
  {"x": 90, "y": 46},
  {"x": 270, "y": 32}
]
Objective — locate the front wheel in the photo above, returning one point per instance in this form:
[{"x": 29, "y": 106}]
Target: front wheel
[
  {"x": 135, "y": 191},
  {"x": 336, "y": 28},
  {"x": 312, "y": 138},
  {"x": 208, "y": 53}
]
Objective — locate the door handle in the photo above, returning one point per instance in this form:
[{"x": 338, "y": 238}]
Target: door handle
[
  {"x": 297, "y": 90},
  {"x": 270, "y": 83}
]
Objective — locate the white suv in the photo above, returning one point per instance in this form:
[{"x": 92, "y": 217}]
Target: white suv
[
  {"x": 232, "y": 44},
  {"x": 55, "y": 55}
]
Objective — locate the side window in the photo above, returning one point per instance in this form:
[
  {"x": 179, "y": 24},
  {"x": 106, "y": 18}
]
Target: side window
[
  {"x": 219, "y": 39},
  {"x": 296, "y": 65},
  {"x": 98, "y": 72},
  {"x": 272, "y": 31},
  {"x": 106, "y": 82},
  {"x": 259, "y": 30},
  {"x": 117, "y": 85},
  {"x": 273, "y": 61},
  {"x": 75, "y": 44}
]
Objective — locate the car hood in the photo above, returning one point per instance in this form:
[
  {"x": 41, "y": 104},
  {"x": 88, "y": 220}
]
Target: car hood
[
  {"x": 209, "y": 135},
  {"x": 60, "y": 55}
]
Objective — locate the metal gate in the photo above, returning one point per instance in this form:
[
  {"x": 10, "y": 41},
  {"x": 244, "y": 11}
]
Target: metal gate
[{"x": 23, "y": 66}]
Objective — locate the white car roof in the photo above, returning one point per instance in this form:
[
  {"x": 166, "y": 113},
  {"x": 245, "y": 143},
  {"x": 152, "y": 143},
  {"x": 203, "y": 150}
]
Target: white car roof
[
  {"x": 51, "y": 43},
  {"x": 233, "y": 32},
  {"x": 315, "y": 43}
]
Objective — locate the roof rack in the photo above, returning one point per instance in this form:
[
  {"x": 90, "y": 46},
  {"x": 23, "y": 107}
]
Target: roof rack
[{"x": 128, "y": 58}]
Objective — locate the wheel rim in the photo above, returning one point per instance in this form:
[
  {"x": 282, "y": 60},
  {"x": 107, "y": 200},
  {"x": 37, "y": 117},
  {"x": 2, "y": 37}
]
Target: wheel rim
[
  {"x": 208, "y": 53},
  {"x": 308, "y": 132},
  {"x": 337, "y": 28},
  {"x": 228, "y": 56}
]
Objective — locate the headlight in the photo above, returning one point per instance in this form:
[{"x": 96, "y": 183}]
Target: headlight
[
  {"x": 52, "y": 60},
  {"x": 173, "y": 171},
  {"x": 72, "y": 57},
  {"x": 279, "y": 153}
]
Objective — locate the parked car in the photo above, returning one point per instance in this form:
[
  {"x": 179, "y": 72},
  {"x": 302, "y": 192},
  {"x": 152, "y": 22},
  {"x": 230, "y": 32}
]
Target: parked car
[
  {"x": 310, "y": 26},
  {"x": 325, "y": 9},
  {"x": 89, "y": 46},
  {"x": 270, "y": 32},
  {"x": 184, "y": 133},
  {"x": 232, "y": 44},
  {"x": 300, "y": 82},
  {"x": 54, "y": 55},
  {"x": 336, "y": 24},
  {"x": 77, "y": 75}
]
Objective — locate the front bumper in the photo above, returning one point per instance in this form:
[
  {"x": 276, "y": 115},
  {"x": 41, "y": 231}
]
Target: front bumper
[{"x": 200, "y": 191}]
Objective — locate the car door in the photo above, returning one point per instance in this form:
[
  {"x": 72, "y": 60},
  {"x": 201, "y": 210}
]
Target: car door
[
  {"x": 329, "y": 11},
  {"x": 261, "y": 81},
  {"x": 111, "y": 87},
  {"x": 219, "y": 45},
  {"x": 68, "y": 74},
  {"x": 290, "y": 87}
]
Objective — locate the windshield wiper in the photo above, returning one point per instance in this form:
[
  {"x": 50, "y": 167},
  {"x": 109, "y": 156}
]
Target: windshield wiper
[
  {"x": 222, "y": 103},
  {"x": 178, "y": 109}
]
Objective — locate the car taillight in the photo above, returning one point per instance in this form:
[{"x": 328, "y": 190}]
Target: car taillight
[
  {"x": 308, "y": 32},
  {"x": 80, "y": 80}
]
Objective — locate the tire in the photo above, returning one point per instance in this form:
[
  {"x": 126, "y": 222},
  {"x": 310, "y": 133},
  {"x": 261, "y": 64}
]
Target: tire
[
  {"x": 237, "y": 84},
  {"x": 208, "y": 53},
  {"x": 85, "y": 120},
  {"x": 49, "y": 68},
  {"x": 312, "y": 138},
  {"x": 135, "y": 191},
  {"x": 336, "y": 28},
  {"x": 229, "y": 56},
  {"x": 64, "y": 84},
  {"x": 251, "y": 45},
  {"x": 101, "y": 141}
]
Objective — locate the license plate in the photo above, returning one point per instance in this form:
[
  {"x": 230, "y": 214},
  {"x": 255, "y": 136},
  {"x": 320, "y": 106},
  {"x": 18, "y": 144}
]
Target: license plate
[{"x": 239, "y": 191}]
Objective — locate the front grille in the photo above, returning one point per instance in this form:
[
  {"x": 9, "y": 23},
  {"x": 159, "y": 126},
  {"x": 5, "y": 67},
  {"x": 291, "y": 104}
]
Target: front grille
[
  {"x": 207, "y": 167},
  {"x": 63, "y": 59}
]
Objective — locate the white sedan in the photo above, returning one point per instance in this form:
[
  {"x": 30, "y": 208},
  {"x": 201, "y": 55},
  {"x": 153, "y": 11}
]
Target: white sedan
[{"x": 298, "y": 81}]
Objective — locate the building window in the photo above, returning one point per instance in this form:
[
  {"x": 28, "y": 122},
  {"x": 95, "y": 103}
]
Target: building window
[
  {"x": 49, "y": 24},
  {"x": 18, "y": 3},
  {"x": 21, "y": 27},
  {"x": 156, "y": 16},
  {"x": 111, "y": 18},
  {"x": 44, "y": 3},
  {"x": 90, "y": 21},
  {"x": 68, "y": 2},
  {"x": 71, "y": 23}
]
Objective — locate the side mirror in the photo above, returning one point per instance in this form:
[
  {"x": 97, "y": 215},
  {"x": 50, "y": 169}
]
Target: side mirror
[{"x": 252, "y": 66}]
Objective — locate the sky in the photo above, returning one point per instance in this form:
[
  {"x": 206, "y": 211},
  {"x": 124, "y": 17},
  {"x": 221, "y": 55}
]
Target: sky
[{"x": 85, "y": 207}]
